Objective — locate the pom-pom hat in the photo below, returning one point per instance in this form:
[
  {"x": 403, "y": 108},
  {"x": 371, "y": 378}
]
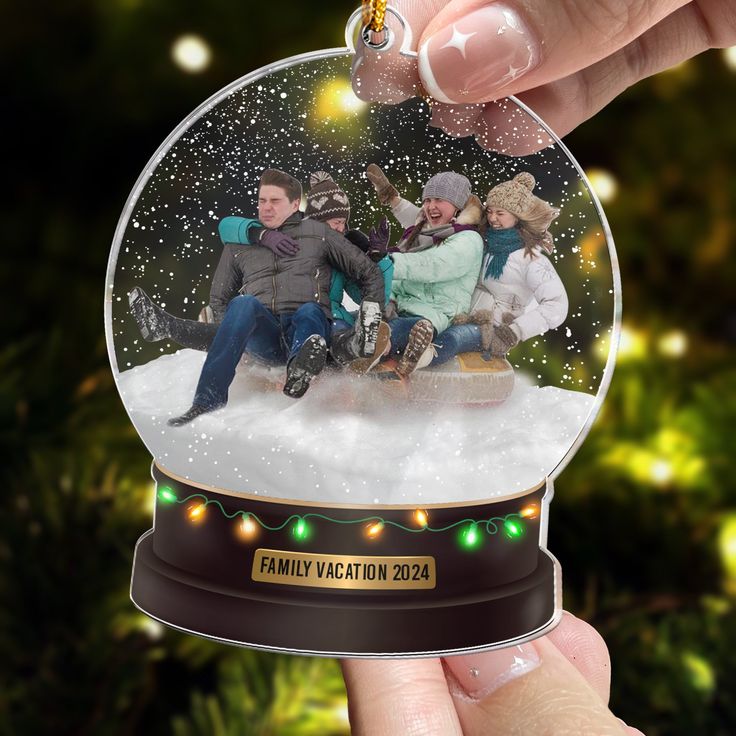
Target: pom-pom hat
[
  {"x": 515, "y": 196},
  {"x": 325, "y": 200}
]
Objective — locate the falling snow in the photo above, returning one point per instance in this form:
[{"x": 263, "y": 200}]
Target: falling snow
[{"x": 303, "y": 119}]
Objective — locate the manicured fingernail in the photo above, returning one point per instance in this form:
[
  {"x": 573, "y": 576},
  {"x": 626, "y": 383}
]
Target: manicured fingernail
[
  {"x": 478, "y": 55},
  {"x": 481, "y": 674}
]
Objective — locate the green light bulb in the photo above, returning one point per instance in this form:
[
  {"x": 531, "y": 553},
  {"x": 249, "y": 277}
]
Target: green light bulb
[
  {"x": 513, "y": 528},
  {"x": 167, "y": 495},
  {"x": 470, "y": 537},
  {"x": 301, "y": 529}
]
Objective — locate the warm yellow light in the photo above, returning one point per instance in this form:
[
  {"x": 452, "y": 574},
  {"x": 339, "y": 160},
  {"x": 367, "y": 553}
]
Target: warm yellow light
[
  {"x": 191, "y": 53},
  {"x": 247, "y": 528},
  {"x": 729, "y": 56},
  {"x": 375, "y": 529},
  {"x": 196, "y": 512},
  {"x": 660, "y": 471},
  {"x": 530, "y": 512},
  {"x": 336, "y": 101},
  {"x": 421, "y": 517},
  {"x": 604, "y": 184},
  {"x": 632, "y": 344},
  {"x": 673, "y": 344},
  {"x": 727, "y": 546}
]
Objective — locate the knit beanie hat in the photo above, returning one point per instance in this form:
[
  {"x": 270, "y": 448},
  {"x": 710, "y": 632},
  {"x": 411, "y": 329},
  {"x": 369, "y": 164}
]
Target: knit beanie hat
[
  {"x": 325, "y": 200},
  {"x": 516, "y": 197},
  {"x": 447, "y": 185}
]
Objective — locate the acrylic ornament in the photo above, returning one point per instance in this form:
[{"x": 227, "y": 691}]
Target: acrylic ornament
[{"x": 369, "y": 517}]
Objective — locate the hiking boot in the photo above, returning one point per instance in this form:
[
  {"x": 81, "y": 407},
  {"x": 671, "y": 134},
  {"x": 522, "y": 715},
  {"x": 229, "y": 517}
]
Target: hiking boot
[
  {"x": 366, "y": 326},
  {"x": 152, "y": 321},
  {"x": 305, "y": 365},
  {"x": 420, "y": 339},
  {"x": 188, "y": 416},
  {"x": 383, "y": 346}
]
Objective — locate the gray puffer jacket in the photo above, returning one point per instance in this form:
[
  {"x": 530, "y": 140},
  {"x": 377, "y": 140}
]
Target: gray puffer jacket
[{"x": 284, "y": 284}]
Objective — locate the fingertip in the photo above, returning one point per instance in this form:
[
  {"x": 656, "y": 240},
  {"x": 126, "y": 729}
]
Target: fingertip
[
  {"x": 506, "y": 127},
  {"x": 586, "y": 649}
]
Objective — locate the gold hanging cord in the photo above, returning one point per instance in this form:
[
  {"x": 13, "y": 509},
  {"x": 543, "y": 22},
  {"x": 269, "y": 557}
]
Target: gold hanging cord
[{"x": 374, "y": 14}]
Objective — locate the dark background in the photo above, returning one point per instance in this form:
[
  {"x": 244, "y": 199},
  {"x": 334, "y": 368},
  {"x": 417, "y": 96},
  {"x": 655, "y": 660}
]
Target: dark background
[{"x": 644, "y": 518}]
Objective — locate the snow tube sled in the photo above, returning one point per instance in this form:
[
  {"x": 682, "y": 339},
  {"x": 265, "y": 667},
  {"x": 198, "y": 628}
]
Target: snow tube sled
[{"x": 469, "y": 379}]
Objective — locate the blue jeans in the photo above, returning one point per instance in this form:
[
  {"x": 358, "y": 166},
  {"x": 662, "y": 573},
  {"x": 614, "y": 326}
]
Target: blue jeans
[
  {"x": 457, "y": 339},
  {"x": 250, "y": 327},
  {"x": 400, "y": 329}
]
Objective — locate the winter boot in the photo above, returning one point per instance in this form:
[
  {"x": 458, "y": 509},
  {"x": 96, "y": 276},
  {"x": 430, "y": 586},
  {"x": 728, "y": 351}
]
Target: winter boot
[
  {"x": 305, "y": 365},
  {"x": 383, "y": 346},
  {"x": 420, "y": 339},
  {"x": 152, "y": 321},
  {"x": 367, "y": 325},
  {"x": 195, "y": 411}
]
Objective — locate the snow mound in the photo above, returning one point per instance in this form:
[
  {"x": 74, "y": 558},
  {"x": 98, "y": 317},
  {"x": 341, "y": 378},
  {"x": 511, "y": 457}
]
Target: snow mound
[{"x": 346, "y": 442}]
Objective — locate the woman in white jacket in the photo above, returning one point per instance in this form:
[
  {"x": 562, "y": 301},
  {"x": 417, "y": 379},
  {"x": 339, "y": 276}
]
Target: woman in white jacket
[{"x": 519, "y": 294}]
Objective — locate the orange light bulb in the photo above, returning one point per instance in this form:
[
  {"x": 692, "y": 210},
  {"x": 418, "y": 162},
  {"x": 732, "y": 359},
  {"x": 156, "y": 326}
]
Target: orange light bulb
[
  {"x": 375, "y": 529},
  {"x": 247, "y": 527},
  {"x": 196, "y": 513},
  {"x": 421, "y": 517}
]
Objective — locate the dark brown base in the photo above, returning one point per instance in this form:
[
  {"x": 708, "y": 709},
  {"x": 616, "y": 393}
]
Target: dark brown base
[{"x": 351, "y": 626}]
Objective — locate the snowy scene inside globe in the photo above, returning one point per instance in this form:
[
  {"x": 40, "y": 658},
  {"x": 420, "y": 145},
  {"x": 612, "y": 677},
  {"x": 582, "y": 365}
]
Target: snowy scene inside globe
[{"x": 311, "y": 297}]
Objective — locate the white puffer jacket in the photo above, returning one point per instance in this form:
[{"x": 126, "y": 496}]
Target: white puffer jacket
[{"x": 529, "y": 288}]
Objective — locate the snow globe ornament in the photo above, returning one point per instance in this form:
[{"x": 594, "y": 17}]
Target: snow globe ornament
[{"x": 359, "y": 351}]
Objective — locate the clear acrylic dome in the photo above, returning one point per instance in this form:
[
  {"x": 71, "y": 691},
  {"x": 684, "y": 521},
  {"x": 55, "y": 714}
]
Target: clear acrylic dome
[{"x": 451, "y": 434}]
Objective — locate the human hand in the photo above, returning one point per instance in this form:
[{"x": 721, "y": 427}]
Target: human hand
[
  {"x": 279, "y": 243},
  {"x": 385, "y": 191},
  {"x": 379, "y": 237},
  {"x": 502, "y": 340},
  {"x": 558, "y": 684},
  {"x": 565, "y": 60}
]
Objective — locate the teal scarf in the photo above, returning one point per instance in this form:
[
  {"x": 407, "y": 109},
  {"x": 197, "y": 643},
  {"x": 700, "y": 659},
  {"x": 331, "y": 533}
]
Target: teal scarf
[{"x": 500, "y": 244}]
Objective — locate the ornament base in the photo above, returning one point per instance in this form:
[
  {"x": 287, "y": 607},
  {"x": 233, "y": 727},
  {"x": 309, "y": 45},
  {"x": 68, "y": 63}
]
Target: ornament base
[{"x": 263, "y": 599}]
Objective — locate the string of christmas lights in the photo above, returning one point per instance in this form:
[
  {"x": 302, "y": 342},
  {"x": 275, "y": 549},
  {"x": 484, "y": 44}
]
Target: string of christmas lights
[{"x": 469, "y": 536}]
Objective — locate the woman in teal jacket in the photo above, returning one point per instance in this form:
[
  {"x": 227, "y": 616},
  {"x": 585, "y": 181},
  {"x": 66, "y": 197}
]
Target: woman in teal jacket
[{"x": 437, "y": 267}]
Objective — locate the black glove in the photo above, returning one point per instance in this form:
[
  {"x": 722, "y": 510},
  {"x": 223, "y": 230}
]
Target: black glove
[{"x": 279, "y": 243}]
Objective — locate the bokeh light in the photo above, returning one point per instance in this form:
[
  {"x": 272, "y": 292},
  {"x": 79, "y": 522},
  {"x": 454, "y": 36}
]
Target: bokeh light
[
  {"x": 673, "y": 344},
  {"x": 604, "y": 184},
  {"x": 191, "y": 53},
  {"x": 729, "y": 56},
  {"x": 632, "y": 344},
  {"x": 337, "y": 101}
]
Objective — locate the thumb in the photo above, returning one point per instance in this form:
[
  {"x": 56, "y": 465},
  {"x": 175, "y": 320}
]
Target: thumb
[{"x": 527, "y": 689}]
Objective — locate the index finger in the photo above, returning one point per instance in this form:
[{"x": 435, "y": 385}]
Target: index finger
[
  {"x": 399, "y": 696},
  {"x": 476, "y": 51}
]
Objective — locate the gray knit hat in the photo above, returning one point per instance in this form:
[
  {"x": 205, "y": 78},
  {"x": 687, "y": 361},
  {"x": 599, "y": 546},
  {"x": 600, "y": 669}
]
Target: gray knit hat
[
  {"x": 325, "y": 200},
  {"x": 447, "y": 185}
]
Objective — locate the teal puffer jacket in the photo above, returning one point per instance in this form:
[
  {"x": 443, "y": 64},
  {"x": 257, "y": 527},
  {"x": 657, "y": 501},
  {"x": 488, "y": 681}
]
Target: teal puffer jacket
[{"x": 438, "y": 283}]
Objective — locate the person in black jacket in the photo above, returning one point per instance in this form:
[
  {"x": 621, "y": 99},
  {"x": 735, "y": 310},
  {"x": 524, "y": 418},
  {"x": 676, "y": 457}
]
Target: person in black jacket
[{"x": 278, "y": 309}]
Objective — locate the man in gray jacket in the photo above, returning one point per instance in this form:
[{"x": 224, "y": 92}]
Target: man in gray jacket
[{"x": 278, "y": 309}]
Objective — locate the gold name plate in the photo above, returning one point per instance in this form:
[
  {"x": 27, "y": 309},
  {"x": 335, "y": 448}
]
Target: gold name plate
[{"x": 343, "y": 571}]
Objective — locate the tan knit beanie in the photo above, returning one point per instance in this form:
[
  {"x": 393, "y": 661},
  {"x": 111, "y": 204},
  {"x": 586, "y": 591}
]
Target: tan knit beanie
[{"x": 516, "y": 197}]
